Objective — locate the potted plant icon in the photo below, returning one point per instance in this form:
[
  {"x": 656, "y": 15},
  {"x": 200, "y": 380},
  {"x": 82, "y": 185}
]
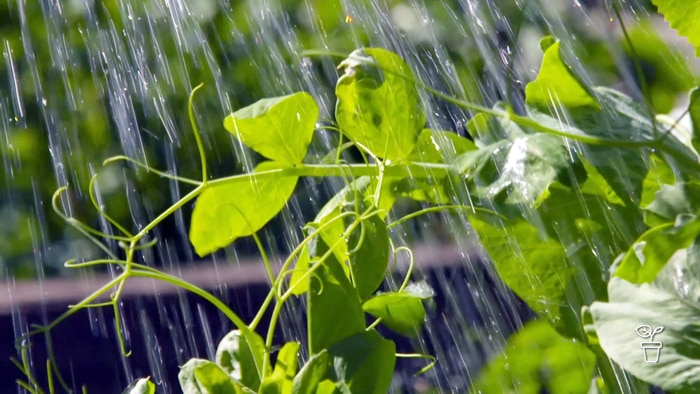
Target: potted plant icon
[{"x": 651, "y": 349}]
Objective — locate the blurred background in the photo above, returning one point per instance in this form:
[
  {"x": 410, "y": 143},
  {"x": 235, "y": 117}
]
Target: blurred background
[{"x": 83, "y": 80}]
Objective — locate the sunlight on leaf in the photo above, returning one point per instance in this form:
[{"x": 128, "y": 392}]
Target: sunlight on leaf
[
  {"x": 684, "y": 16},
  {"x": 377, "y": 107},
  {"x": 555, "y": 85},
  {"x": 402, "y": 312},
  {"x": 238, "y": 208},
  {"x": 278, "y": 128}
]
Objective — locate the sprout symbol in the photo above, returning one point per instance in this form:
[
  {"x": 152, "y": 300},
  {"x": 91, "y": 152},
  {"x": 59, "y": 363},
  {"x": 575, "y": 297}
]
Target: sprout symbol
[
  {"x": 645, "y": 332},
  {"x": 651, "y": 349}
]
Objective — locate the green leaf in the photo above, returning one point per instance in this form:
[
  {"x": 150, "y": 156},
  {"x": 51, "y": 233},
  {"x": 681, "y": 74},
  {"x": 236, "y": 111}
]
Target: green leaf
[
  {"x": 330, "y": 293},
  {"x": 487, "y": 129},
  {"x": 555, "y": 85},
  {"x": 369, "y": 255},
  {"x": 312, "y": 375},
  {"x": 435, "y": 146},
  {"x": 361, "y": 364},
  {"x": 141, "y": 386},
  {"x": 537, "y": 359},
  {"x": 238, "y": 208},
  {"x": 671, "y": 302},
  {"x": 366, "y": 249},
  {"x": 402, "y": 312},
  {"x": 350, "y": 197},
  {"x": 378, "y": 104},
  {"x": 673, "y": 200},
  {"x": 684, "y": 16},
  {"x": 517, "y": 171},
  {"x": 278, "y": 128},
  {"x": 297, "y": 283},
  {"x": 241, "y": 354},
  {"x": 652, "y": 251},
  {"x": 204, "y": 377},
  {"x": 694, "y": 111},
  {"x": 532, "y": 264},
  {"x": 281, "y": 380}
]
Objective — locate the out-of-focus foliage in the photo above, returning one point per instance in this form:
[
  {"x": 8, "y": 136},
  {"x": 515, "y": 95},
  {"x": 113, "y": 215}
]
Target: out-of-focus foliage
[{"x": 81, "y": 81}]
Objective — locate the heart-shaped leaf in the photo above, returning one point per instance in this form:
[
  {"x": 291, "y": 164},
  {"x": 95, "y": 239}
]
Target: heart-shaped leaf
[
  {"x": 378, "y": 103},
  {"x": 402, "y": 312},
  {"x": 278, "y": 128},
  {"x": 238, "y": 208}
]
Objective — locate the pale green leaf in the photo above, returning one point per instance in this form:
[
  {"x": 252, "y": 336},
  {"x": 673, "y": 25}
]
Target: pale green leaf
[
  {"x": 278, "y": 128},
  {"x": 378, "y": 103},
  {"x": 684, "y": 16},
  {"x": 238, "y": 208},
  {"x": 556, "y": 86}
]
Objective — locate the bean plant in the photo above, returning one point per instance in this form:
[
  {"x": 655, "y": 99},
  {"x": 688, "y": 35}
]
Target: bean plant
[{"x": 587, "y": 205}]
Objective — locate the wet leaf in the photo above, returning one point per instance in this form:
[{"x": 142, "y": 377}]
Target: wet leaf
[
  {"x": 238, "y": 208},
  {"x": 655, "y": 248},
  {"x": 369, "y": 255},
  {"x": 555, "y": 85},
  {"x": 436, "y": 146},
  {"x": 673, "y": 200},
  {"x": 278, "y": 128},
  {"x": 517, "y": 171},
  {"x": 281, "y": 380},
  {"x": 532, "y": 264},
  {"x": 331, "y": 294},
  {"x": 378, "y": 103},
  {"x": 402, "y": 312},
  {"x": 366, "y": 249},
  {"x": 311, "y": 379},
  {"x": 141, "y": 386},
  {"x": 670, "y": 357},
  {"x": 360, "y": 364},
  {"x": 204, "y": 377},
  {"x": 602, "y": 114},
  {"x": 537, "y": 359},
  {"x": 684, "y": 16},
  {"x": 241, "y": 354}
]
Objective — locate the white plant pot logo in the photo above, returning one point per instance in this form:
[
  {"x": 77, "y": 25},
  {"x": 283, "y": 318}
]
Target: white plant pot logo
[{"x": 651, "y": 349}]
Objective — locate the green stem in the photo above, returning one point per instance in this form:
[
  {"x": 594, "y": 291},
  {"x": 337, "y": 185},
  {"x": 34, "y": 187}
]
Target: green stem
[
  {"x": 173, "y": 280},
  {"x": 197, "y": 134},
  {"x": 398, "y": 170},
  {"x": 171, "y": 210}
]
